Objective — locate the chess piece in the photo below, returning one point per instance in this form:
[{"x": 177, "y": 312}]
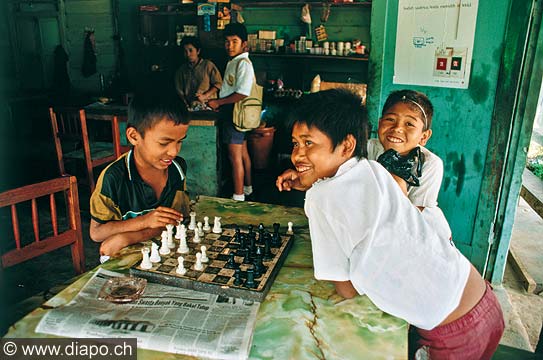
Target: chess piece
[
  {"x": 231, "y": 263},
  {"x": 192, "y": 224},
  {"x": 200, "y": 229},
  {"x": 164, "y": 249},
  {"x": 289, "y": 230},
  {"x": 204, "y": 254},
  {"x": 169, "y": 229},
  {"x": 178, "y": 230},
  {"x": 268, "y": 255},
  {"x": 250, "y": 282},
  {"x": 196, "y": 238},
  {"x": 237, "y": 277},
  {"x": 206, "y": 227},
  {"x": 180, "y": 267},
  {"x": 155, "y": 257},
  {"x": 183, "y": 247},
  {"x": 146, "y": 263},
  {"x": 198, "y": 265},
  {"x": 217, "y": 229}
]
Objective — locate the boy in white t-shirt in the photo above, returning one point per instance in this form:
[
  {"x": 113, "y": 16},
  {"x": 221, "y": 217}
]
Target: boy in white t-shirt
[
  {"x": 405, "y": 125},
  {"x": 368, "y": 238},
  {"x": 237, "y": 82}
]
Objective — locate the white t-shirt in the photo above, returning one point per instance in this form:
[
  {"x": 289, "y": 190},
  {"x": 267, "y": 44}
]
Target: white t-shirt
[
  {"x": 243, "y": 82},
  {"x": 373, "y": 236},
  {"x": 430, "y": 182}
]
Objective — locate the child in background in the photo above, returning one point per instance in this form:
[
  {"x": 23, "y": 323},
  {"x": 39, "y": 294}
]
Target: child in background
[
  {"x": 238, "y": 80},
  {"x": 368, "y": 238},
  {"x": 144, "y": 190},
  {"x": 197, "y": 80},
  {"x": 405, "y": 124}
]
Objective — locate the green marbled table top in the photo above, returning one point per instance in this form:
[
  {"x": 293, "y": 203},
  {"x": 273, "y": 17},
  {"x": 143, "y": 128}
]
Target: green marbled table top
[{"x": 301, "y": 318}]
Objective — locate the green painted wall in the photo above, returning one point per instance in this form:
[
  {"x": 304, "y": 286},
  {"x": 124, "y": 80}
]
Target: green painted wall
[{"x": 462, "y": 120}]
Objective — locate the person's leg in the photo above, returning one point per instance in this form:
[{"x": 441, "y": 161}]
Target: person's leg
[
  {"x": 247, "y": 179},
  {"x": 235, "y": 154}
]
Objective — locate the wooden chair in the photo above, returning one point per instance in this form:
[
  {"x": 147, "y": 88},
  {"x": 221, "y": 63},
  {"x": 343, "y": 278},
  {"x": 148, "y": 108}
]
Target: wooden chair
[
  {"x": 359, "y": 89},
  {"x": 71, "y": 137},
  {"x": 44, "y": 242}
]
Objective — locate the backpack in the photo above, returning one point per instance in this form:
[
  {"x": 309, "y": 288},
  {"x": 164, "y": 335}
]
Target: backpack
[{"x": 246, "y": 114}]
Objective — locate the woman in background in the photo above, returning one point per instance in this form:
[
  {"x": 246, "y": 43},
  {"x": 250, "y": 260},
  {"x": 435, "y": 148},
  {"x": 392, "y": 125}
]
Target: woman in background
[{"x": 197, "y": 80}]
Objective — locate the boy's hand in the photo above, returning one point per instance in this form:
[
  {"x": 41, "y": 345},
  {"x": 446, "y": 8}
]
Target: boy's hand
[
  {"x": 289, "y": 180},
  {"x": 202, "y": 98},
  {"x": 213, "y": 103},
  {"x": 161, "y": 216}
]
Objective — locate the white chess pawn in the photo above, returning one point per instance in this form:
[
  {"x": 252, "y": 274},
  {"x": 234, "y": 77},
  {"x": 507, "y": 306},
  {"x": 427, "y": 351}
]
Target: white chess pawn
[
  {"x": 206, "y": 227},
  {"x": 204, "y": 254},
  {"x": 200, "y": 229},
  {"x": 146, "y": 263},
  {"x": 180, "y": 267},
  {"x": 198, "y": 265},
  {"x": 192, "y": 224},
  {"x": 155, "y": 257},
  {"x": 178, "y": 230},
  {"x": 217, "y": 225},
  {"x": 169, "y": 229},
  {"x": 289, "y": 230},
  {"x": 183, "y": 247},
  {"x": 196, "y": 238},
  {"x": 164, "y": 249}
]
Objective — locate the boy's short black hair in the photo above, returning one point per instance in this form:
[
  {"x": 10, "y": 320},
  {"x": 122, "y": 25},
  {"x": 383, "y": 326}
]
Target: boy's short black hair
[
  {"x": 146, "y": 109},
  {"x": 337, "y": 113},
  {"x": 416, "y": 101},
  {"x": 191, "y": 40},
  {"x": 236, "y": 29}
]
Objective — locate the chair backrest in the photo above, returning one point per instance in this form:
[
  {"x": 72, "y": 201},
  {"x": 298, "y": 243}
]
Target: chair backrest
[
  {"x": 69, "y": 127},
  {"x": 61, "y": 233}
]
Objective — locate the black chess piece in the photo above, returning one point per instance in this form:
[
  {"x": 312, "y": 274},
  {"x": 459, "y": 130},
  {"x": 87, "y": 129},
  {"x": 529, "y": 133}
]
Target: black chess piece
[
  {"x": 276, "y": 227},
  {"x": 250, "y": 229},
  {"x": 237, "y": 277},
  {"x": 231, "y": 263},
  {"x": 250, "y": 282},
  {"x": 276, "y": 238},
  {"x": 237, "y": 235},
  {"x": 268, "y": 255}
]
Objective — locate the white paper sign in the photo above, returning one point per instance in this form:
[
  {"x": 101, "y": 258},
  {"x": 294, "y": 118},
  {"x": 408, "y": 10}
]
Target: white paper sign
[{"x": 434, "y": 42}]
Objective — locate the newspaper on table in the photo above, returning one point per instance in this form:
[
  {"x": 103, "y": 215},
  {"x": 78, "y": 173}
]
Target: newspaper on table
[{"x": 165, "y": 318}]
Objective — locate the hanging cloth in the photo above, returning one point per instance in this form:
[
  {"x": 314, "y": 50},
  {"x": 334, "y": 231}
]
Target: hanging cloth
[{"x": 89, "y": 55}]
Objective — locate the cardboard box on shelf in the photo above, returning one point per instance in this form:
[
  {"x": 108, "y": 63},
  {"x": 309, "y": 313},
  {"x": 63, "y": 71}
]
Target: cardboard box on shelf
[{"x": 266, "y": 34}]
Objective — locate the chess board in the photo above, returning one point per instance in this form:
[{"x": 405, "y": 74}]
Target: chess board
[{"x": 216, "y": 277}]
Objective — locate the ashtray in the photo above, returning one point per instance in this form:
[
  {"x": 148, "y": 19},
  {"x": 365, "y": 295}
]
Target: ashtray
[{"x": 122, "y": 289}]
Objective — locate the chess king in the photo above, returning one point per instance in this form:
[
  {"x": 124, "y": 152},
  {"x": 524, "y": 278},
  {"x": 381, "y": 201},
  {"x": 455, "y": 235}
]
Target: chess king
[{"x": 145, "y": 189}]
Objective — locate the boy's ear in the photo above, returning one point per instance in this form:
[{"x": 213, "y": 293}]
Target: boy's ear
[
  {"x": 426, "y": 135},
  {"x": 132, "y": 135},
  {"x": 349, "y": 145}
]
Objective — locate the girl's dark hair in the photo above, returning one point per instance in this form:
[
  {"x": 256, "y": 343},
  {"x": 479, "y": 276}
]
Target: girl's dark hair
[
  {"x": 191, "y": 40},
  {"x": 236, "y": 29},
  {"x": 146, "y": 109},
  {"x": 416, "y": 100},
  {"x": 337, "y": 113}
]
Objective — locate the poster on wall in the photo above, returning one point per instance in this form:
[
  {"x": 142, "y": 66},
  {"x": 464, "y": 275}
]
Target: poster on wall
[{"x": 434, "y": 42}]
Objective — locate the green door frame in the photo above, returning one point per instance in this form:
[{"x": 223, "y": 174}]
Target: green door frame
[{"x": 520, "y": 76}]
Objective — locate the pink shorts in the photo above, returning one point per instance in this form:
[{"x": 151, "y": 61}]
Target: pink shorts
[{"x": 475, "y": 335}]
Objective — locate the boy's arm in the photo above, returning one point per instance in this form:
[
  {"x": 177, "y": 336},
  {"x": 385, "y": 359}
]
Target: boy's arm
[
  {"x": 156, "y": 219},
  {"x": 289, "y": 180},
  {"x": 230, "y": 99},
  {"x": 345, "y": 289},
  {"x": 117, "y": 242}
]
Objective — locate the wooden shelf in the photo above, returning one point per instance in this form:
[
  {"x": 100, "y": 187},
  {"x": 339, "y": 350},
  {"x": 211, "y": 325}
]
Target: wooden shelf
[{"x": 308, "y": 56}]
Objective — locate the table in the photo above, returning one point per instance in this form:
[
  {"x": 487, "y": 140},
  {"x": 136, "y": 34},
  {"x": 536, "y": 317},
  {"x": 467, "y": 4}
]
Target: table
[
  {"x": 201, "y": 148},
  {"x": 301, "y": 318}
]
